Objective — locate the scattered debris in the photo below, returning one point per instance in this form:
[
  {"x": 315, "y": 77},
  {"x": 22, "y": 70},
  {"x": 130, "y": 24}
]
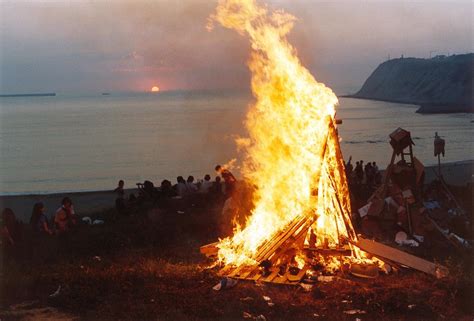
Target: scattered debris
[
  {"x": 367, "y": 271},
  {"x": 87, "y": 220},
  {"x": 267, "y": 298},
  {"x": 225, "y": 283},
  {"x": 247, "y": 315},
  {"x": 98, "y": 222},
  {"x": 97, "y": 258},
  {"x": 248, "y": 298},
  {"x": 306, "y": 287},
  {"x": 325, "y": 278},
  {"x": 56, "y": 293},
  {"x": 401, "y": 238},
  {"x": 355, "y": 311},
  {"x": 411, "y": 306}
]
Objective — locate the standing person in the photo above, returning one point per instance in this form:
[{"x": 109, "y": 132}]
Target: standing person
[
  {"x": 368, "y": 173},
  {"x": 39, "y": 221},
  {"x": 349, "y": 169},
  {"x": 217, "y": 187},
  {"x": 119, "y": 189},
  {"x": 65, "y": 217},
  {"x": 359, "y": 173},
  {"x": 181, "y": 188},
  {"x": 229, "y": 180},
  {"x": 377, "y": 176},
  {"x": 206, "y": 185},
  {"x": 192, "y": 188}
]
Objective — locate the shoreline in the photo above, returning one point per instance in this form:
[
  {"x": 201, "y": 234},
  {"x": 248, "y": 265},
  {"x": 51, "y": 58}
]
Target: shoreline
[
  {"x": 457, "y": 173},
  {"x": 425, "y": 108}
]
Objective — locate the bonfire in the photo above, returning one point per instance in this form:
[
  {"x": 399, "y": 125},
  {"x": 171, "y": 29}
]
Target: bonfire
[{"x": 292, "y": 155}]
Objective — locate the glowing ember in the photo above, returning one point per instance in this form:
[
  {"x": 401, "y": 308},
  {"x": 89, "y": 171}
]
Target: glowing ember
[
  {"x": 288, "y": 135},
  {"x": 155, "y": 89}
]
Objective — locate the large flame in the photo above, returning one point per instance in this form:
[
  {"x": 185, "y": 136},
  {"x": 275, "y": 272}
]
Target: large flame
[{"x": 288, "y": 132}]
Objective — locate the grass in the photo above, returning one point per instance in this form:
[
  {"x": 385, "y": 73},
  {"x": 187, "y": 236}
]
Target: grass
[{"x": 148, "y": 267}]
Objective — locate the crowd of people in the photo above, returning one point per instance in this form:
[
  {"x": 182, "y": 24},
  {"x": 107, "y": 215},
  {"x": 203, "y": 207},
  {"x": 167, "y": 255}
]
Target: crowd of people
[
  {"x": 65, "y": 219},
  {"x": 368, "y": 174},
  {"x": 188, "y": 189}
]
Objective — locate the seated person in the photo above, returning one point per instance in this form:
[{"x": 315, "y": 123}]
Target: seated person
[
  {"x": 65, "y": 217},
  {"x": 39, "y": 221},
  {"x": 10, "y": 228},
  {"x": 166, "y": 189}
]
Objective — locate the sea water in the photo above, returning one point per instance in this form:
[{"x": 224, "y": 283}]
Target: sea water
[{"x": 88, "y": 142}]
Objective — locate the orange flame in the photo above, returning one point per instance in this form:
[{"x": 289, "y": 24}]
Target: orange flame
[{"x": 288, "y": 130}]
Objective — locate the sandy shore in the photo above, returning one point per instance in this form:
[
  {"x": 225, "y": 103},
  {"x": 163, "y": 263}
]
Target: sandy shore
[{"x": 456, "y": 173}]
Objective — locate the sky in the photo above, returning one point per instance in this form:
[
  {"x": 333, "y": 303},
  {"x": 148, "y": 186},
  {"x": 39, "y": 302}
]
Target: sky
[{"x": 96, "y": 46}]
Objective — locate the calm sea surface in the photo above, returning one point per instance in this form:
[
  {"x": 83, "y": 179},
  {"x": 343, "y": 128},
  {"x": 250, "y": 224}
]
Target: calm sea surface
[{"x": 88, "y": 142}]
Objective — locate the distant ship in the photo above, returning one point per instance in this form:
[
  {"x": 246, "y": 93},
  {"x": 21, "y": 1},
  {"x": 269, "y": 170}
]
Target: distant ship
[
  {"x": 105, "y": 94},
  {"x": 29, "y": 95}
]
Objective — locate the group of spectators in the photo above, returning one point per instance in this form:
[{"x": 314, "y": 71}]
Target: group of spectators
[
  {"x": 368, "y": 174},
  {"x": 221, "y": 188},
  {"x": 63, "y": 221},
  {"x": 43, "y": 227}
]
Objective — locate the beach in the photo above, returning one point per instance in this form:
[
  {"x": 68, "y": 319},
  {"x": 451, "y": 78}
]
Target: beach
[{"x": 86, "y": 203}]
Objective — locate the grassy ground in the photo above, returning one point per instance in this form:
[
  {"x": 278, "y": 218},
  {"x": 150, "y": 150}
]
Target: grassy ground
[{"x": 148, "y": 267}]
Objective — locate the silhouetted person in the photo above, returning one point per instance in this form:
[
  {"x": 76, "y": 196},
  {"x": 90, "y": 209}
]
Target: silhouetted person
[
  {"x": 181, "y": 189},
  {"x": 119, "y": 189},
  {"x": 217, "y": 187},
  {"x": 359, "y": 172},
  {"x": 39, "y": 221},
  {"x": 229, "y": 180},
  {"x": 349, "y": 169},
  {"x": 10, "y": 232},
  {"x": 206, "y": 185},
  {"x": 191, "y": 187}
]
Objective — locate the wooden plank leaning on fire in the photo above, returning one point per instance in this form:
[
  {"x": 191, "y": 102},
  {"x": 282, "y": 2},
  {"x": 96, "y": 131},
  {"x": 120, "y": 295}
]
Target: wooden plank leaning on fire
[
  {"x": 345, "y": 212},
  {"x": 272, "y": 246},
  {"x": 392, "y": 254},
  {"x": 298, "y": 225}
]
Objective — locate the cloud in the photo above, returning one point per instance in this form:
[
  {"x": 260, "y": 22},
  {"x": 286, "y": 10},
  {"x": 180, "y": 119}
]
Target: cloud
[{"x": 54, "y": 46}]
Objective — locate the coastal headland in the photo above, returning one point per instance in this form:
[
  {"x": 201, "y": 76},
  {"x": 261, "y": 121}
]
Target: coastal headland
[{"x": 442, "y": 84}]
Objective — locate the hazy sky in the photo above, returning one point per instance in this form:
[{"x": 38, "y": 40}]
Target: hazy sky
[{"x": 69, "y": 46}]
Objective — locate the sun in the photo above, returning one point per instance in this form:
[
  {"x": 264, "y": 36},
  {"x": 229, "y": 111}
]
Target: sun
[{"x": 155, "y": 89}]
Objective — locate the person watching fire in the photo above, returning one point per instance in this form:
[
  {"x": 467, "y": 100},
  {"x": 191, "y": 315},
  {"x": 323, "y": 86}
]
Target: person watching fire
[{"x": 229, "y": 180}]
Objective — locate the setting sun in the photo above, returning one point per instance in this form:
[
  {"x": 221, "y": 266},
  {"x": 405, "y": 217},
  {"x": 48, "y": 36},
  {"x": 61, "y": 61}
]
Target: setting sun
[{"x": 155, "y": 89}]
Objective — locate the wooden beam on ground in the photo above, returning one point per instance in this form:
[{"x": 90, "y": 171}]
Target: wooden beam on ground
[{"x": 392, "y": 254}]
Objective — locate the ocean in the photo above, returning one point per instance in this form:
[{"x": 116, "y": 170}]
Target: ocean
[{"x": 88, "y": 142}]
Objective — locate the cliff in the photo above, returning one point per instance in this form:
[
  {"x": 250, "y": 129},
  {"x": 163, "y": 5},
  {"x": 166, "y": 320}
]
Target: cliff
[{"x": 440, "y": 84}]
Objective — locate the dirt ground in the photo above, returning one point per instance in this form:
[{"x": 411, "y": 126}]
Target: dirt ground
[{"x": 147, "y": 266}]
